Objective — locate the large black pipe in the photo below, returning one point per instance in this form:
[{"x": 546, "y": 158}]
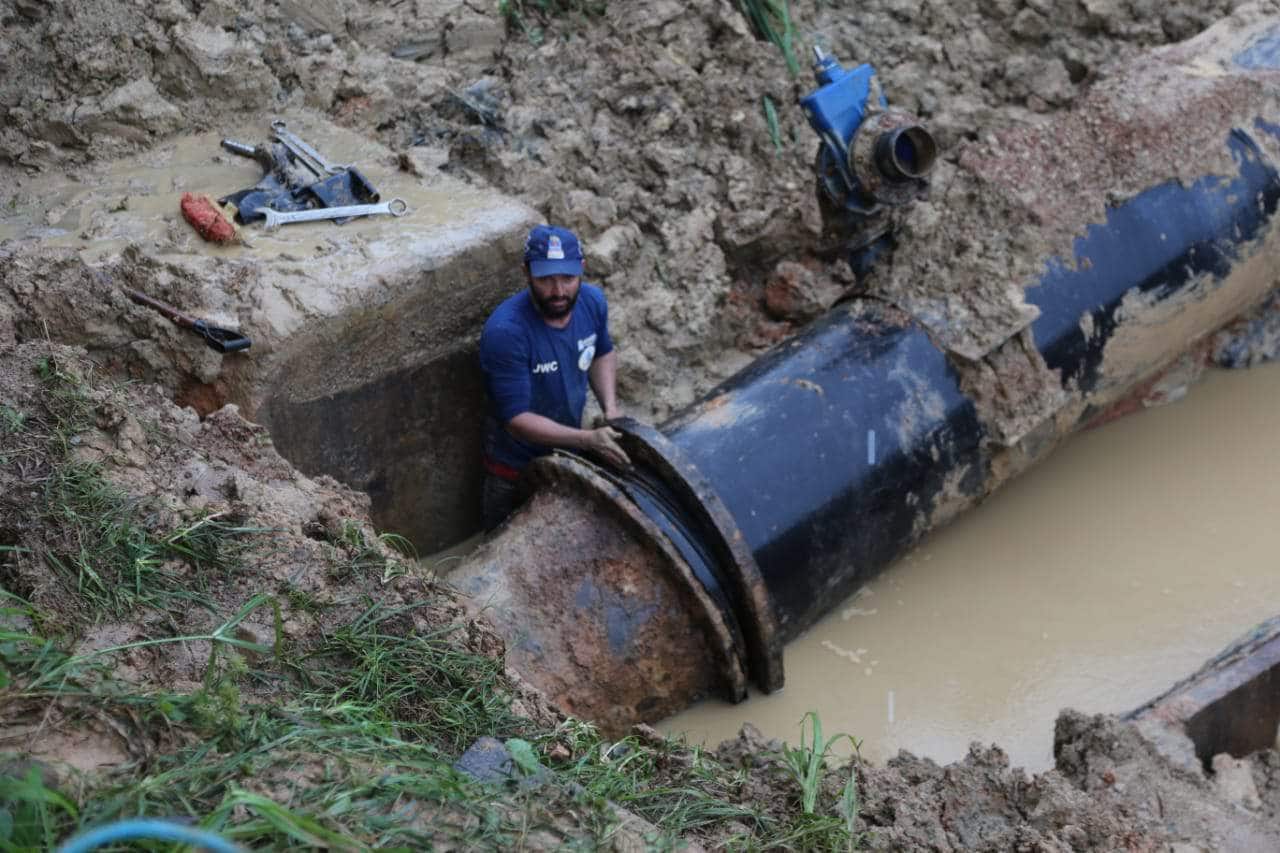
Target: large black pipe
[
  {"x": 763, "y": 505},
  {"x": 1155, "y": 246},
  {"x": 832, "y": 451}
]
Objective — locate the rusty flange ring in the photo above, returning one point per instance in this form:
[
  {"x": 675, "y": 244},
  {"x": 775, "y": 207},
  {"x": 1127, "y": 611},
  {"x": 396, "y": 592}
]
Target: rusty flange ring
[
  {"x": 752, "y": 603},
  {"x": 576, "y": 475}
]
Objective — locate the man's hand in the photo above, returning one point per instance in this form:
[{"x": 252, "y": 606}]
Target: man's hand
[{"x": 603, "y": 442}]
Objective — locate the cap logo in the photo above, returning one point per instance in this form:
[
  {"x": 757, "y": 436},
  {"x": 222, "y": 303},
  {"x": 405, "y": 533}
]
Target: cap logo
[{"x": 555, "y": 252}]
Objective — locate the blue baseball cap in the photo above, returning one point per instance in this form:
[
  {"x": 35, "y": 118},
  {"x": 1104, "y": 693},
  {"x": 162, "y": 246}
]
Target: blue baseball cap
[{"x": 549, "y": 250}]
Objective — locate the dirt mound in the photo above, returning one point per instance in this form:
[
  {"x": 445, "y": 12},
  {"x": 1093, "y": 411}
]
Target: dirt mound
[
  {"x": 56, "y": 295},
  {"x": 1116, "y": 766},
  {"x": 1111, "y": 790},
  {"x": 647, "y": 128},
  {"x": 126, "y": 518}
]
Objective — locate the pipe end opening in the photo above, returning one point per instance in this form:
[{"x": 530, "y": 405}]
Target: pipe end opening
[{"x": 906, "y": 153}]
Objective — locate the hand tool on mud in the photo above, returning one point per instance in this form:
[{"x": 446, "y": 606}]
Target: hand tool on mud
[
  {"x": 338, "y": 185},
  {"x": 204, "y": 215},
  {"x": 395, "y": 207},
  {"x": 296, "y": 177},
  {"x": 310, "y": 157},
  {"x": 281, "y": 186},
  {"x": 222, "y": 340}
]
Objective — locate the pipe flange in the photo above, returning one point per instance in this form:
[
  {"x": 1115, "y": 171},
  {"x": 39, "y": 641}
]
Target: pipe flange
[
  {"x": 577, "y": 475},
  {"x": 752, "y": 604}
]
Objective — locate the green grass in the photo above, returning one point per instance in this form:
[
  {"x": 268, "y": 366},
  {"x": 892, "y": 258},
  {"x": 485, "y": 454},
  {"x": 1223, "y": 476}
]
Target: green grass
[
  {"x": 624, "y": 772},
  {"x": 684, "y": 790},
  {"x": 806, "y": 763},
  {"x": 337, "y": 779},
  {"x": 107, "y": 553},
  {"x": 352, "y": 553},
  {"x": 771, "y": 121},
  {"x": 379, "y": 661},
  {"x": 366, "y": 763},
  {"x": 31, "y": 814},
  {"x": 358, "y": 753},
  {"x": 305, "y": 601},
  {"x": 341, "y": 739},
  {"x": 100, "y": 543},
  {"x": 11, "y": 420},
  {"x": 771, "y": 21},
  {"x": 322, "y": 745},
  {"x": 532, "y": 17},
  {"x": 225, "y": 635}
]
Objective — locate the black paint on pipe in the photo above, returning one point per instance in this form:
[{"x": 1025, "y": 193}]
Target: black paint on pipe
[
  {"x": 823, "y": 461},
  {"x": 1159, "y": 243},
  {"x": 831, "y": 452}
]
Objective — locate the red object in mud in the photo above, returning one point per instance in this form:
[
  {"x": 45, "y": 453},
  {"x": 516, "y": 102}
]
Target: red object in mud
[{"x": 203, "y": 214}]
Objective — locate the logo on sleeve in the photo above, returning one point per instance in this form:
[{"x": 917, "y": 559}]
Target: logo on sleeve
[
  {"x": 546, "y": 367},
  {"x": 587, "y": 351}
]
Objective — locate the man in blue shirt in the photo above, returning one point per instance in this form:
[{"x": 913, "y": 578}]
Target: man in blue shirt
[{"x": 539, "y": 351}]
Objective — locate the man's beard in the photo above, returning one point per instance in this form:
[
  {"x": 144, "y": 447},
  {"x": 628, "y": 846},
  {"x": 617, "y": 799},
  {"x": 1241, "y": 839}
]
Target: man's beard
[{"x": 550, "y": 311}]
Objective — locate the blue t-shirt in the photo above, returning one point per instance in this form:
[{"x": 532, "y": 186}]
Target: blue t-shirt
[{"x": 532, "y": 367}]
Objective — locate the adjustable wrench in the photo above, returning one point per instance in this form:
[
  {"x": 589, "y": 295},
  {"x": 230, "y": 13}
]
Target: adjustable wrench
[
  {"x": 274, "y": 218},
  {"x": 309, "y": 156}
]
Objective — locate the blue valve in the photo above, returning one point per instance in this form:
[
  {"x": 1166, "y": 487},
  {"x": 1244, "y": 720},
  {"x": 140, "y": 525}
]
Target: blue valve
[
  {"x": 835, "y": 110},
  {"x": 870, "y": 157},
  {"x": 837, "y": 107}
]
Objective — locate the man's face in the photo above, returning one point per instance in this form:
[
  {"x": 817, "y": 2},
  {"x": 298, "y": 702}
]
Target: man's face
[{"x": 554, "y": 295}]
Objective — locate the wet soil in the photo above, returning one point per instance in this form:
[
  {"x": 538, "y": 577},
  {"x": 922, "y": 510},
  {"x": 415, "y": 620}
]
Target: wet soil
[{"x": 645, "y": 129}]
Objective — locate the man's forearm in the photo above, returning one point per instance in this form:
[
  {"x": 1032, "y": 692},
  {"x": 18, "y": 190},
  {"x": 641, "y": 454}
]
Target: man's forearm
[
  {"x": 603, "y": 377},
  {"x": 538, "y": 429},
  {"x": 601, "y": 442}
]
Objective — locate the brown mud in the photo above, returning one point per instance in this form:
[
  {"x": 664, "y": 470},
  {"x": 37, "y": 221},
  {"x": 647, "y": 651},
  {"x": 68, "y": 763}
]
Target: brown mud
[{"x": 645, "y": 130}]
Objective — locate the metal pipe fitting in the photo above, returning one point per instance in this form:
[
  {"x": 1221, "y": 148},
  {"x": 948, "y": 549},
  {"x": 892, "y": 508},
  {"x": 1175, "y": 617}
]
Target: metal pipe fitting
[{"x": 906, "y": 153}]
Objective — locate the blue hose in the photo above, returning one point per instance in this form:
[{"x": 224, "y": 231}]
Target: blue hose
[{"x": 159, "y": 830}]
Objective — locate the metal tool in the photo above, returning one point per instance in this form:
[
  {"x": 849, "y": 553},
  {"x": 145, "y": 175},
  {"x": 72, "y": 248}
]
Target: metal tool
[
  {"x": 244, "y": 149},
  {"x": 222, "y": 340},
  {"x": 303, "y": 151},
  {"x": 282, "y": 185},
  {"x": 274, "y": 219}
]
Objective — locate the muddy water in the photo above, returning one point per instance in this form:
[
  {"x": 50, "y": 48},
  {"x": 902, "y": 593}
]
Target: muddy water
[
  {"x": 1094, "y": 581},
  {"x": 101, "y": 211}
]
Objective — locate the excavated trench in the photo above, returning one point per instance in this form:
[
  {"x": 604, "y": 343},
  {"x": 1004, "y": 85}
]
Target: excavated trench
[
  {"x": 755, "y": 511},
  {"x": 1044, "y": 605},
  {"x": 364, "y": 369},
  {"x": 363, "y": 361},
  {"x": 407, "y": 439}
]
